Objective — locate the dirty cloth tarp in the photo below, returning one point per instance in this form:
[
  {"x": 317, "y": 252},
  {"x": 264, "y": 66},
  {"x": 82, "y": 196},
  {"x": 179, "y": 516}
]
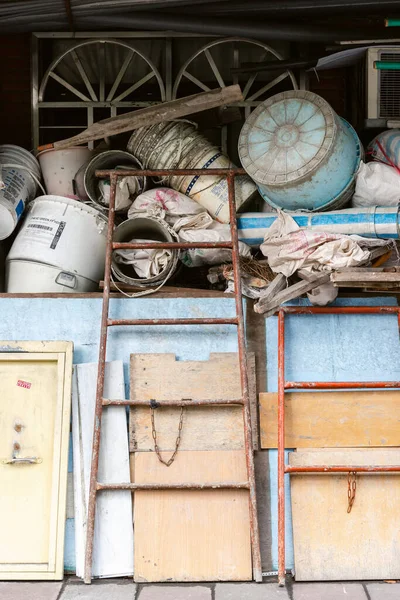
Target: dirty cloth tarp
[
  {"x": 191, "y": 222},
  {"x": 127, "y": 188},
  {"x": 289, "y": 248},
  {"x": 147, "y": 263}
]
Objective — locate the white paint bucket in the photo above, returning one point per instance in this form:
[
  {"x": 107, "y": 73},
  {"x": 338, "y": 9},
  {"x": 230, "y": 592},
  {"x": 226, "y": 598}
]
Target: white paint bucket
[
  {"x": 61, "y": 247},
  {"x": 144, "y": 228},
  {"x": 178, "y": 145},
  {"x": 20, "y": 172},
  {"x": 59, "y": 168},
  {"x": 107, "y": 161}
]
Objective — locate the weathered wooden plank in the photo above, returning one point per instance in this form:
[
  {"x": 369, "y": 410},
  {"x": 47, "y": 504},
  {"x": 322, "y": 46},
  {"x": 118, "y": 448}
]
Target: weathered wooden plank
[
  {"x": 192, "y": 535},
  {"x": 332, "y": 419},
  {"x": 167, "y": 111},
  {"x": 277, "y": 285},
  {"x": 253, "y": 399},
  {"x": 294, "y": 291},
  {"x": 365, "y": 278},
  {"x": 162, "y": 377},
  {"x": 331, "y": 544},
  {"x": 113, "y": 537}
]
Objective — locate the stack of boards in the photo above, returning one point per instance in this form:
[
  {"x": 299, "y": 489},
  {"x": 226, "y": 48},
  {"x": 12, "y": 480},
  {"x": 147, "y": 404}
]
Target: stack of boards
[
  {"x": 341, "y": 428},
  {"x": 189, "y": 535},
  {"x": 178, "y": 535}
]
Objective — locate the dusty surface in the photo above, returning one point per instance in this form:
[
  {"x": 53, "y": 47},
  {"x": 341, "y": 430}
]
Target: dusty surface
[{"x": 125, "y": 589}]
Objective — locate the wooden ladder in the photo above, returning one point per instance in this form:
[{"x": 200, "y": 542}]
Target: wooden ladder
[{"x": 106, "y": 322}]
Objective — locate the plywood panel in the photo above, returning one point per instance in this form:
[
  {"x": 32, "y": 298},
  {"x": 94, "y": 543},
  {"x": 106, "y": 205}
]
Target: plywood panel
[
  {"x": 162, "y": 377},
  {"x": 192, "y": 535},
  {"x": 113, "y": 536},
  {"x": 329, "y": 543},
  {"x": 333, "y": 419}
]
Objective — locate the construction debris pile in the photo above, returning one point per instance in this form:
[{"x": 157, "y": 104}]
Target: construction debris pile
[{"x": 326, "y": 218}]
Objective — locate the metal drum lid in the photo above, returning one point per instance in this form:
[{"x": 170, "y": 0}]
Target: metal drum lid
[{"x": 286, "y": 137}]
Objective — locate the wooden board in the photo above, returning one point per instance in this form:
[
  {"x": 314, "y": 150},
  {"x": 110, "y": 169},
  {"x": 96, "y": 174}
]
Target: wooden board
[
  {"x": 192, "y": 535},
  {"x": 333, "y": 419},
  {"x": 329, "y": 543},
  {"x": 35, "y": 389},
  {"x": 113, "y": 536},
  {"x": 166, "y": 111},
  {"x": 162, "y": 377}
]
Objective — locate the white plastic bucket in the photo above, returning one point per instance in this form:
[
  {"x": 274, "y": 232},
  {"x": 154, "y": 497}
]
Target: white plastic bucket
[
  {"x": 61, "y": 247},
  {"x": 107, "y": 161},
  {"x": 212, "y": 192},
  {"x": 178, "y": 145},
  {"x": 20, "y": 172},
  {"x": 59, "y": 168}
]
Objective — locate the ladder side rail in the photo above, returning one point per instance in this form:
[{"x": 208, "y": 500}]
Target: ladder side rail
[
  {"x": 100, "y": 387},
  {"x": 254, "y": 530}
]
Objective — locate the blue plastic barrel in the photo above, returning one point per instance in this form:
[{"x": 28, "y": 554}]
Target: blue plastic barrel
[{"x": 300, "y": 153}]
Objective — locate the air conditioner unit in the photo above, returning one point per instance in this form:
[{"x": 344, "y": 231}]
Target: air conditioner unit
[{"x": 383, "y": 88}]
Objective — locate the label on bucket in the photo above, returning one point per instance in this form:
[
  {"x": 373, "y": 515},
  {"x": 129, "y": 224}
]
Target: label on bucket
[
  {"x": 208, "y": 163},
  {"x": 14, "y": 184},
  {"x": 43, "y": 230}
]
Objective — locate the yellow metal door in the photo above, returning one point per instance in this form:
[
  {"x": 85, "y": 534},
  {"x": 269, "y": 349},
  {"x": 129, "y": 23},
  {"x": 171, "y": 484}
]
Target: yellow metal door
[{"x": 34, "y": 424}]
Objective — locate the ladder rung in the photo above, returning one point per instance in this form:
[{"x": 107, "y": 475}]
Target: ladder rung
[
  {"x": 225, "y": 321},
  {"x": 339, "y": 385},
  {"x": 182, "y": 402},
  {"x": 173, "y": 486},
  {"x": 169, "y": 245},
  {"x": 343, "y": 469}
]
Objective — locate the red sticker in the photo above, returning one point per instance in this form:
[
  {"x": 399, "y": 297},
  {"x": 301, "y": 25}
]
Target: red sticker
[{"x": 24, "y": 384}]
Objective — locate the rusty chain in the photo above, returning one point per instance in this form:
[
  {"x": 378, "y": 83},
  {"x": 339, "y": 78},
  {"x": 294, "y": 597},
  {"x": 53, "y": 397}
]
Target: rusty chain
[
  {"x": 351, "y": 489},
  {"x": 168, "y": 462}
]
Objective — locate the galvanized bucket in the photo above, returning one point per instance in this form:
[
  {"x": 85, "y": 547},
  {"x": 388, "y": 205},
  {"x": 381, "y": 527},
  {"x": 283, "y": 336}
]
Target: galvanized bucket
[{"x": 144, "y": 228}]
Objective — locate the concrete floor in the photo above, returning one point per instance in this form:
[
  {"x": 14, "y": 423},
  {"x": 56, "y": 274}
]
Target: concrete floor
[{"x": 124, "y": 589}]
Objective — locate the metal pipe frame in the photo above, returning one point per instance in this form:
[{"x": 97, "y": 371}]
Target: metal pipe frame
[
  {"x": 317, "y": 385},
  {"x": 238, "y": 321}
]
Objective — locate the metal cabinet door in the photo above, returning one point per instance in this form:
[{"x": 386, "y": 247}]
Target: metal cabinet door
[{"x": 35, "y": 399}]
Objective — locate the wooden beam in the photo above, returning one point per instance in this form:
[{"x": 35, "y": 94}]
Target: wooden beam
[
  {"x": 167, "y": 111},
  {"x": 270, "y": 307}
]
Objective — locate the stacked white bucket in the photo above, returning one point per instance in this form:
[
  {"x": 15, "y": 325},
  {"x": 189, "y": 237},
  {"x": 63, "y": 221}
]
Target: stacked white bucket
[
  {"x": 178, "y": 145},
  {"x": 20, "y": 174}
]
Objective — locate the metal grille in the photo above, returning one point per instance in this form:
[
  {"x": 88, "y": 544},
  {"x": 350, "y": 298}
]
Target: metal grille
[{"x": 389, "y": 86}]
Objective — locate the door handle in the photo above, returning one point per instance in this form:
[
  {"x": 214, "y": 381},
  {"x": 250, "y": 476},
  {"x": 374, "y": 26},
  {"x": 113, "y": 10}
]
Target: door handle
[{"x": 27, "y": 460}]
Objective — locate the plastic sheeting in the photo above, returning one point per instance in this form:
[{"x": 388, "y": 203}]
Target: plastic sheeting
[{"x": 373, "y": 222}]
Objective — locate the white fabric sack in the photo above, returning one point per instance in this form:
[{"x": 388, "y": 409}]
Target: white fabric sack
[
  {"x": 200, "y": 221},
  {"x": 376, "y": 185},
  {"x": 192, "y": 223},
  {"x": 197, "y": 257},
  {"x": 147, "y": 263},
  {"x": 165, "y": 203},
  {"x": 126, "y": 189},
  {"x": 389, "y": 152},
  {"x": 289, "y": 248},
  {"x": 323, "y": 294}
]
